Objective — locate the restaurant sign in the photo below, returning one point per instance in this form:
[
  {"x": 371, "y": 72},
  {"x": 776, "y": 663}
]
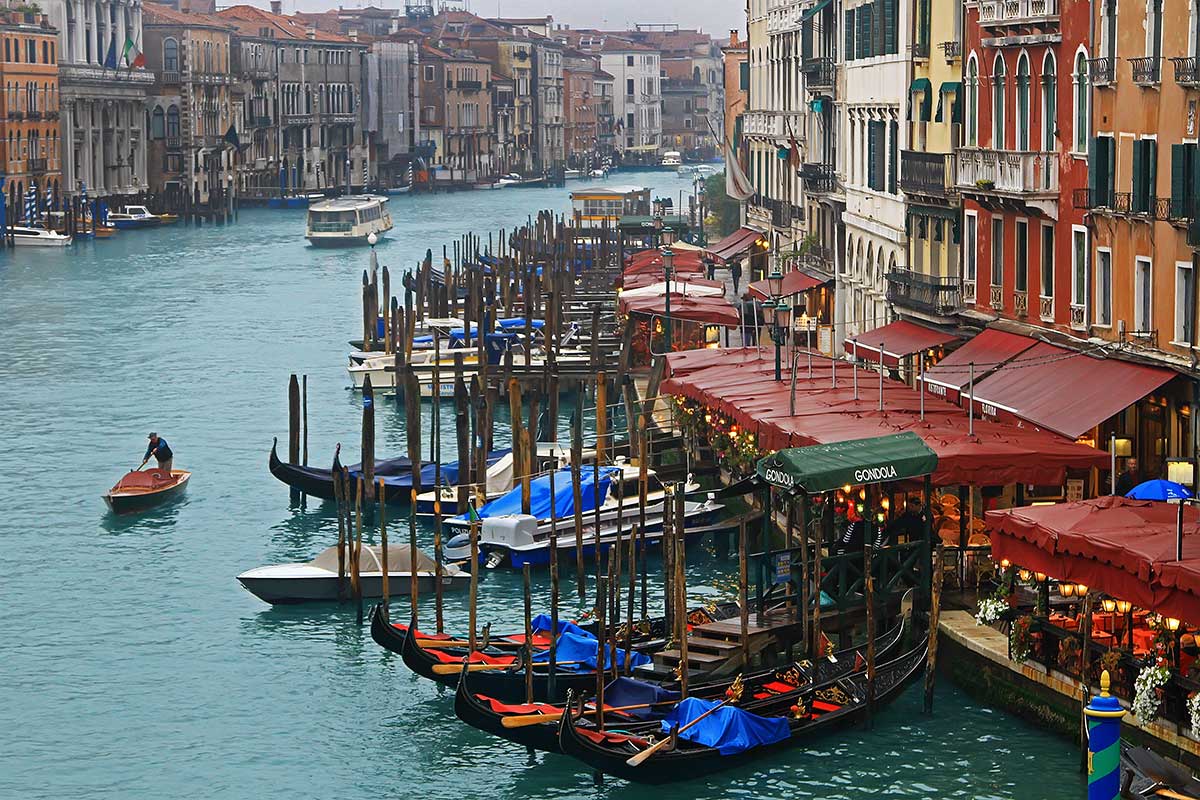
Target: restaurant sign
[{"x": 821, "y": 468}]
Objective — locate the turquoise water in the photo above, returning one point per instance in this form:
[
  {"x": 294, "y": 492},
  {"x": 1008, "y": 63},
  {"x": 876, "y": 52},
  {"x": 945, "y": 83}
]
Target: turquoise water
[{"x": 134, "y": 665}]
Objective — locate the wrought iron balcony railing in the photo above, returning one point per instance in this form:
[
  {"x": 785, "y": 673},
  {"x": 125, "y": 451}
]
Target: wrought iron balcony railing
[
  {"x": 927, "y": 173},
  {"x": 952, "y": 50},
  {"x": 1187, "y": 71},
  {"x": 819, "y": 72},
  {"x": 818, "y": 178},
  {"x": 930, "y": 294},
  {"x": 1146, "y": 71},
  {"x": 1102, "y": 71}
]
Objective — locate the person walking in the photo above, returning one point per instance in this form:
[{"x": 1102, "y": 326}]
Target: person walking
[{"x": 735, "y": 272}]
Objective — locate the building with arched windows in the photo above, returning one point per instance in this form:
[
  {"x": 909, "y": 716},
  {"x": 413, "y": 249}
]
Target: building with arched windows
[{"x": 29, "y": 125}]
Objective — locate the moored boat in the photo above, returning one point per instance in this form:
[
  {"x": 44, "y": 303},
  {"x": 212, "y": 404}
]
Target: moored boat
[
  {"x": 317, "y": 580},
  {"x": 23, "y": 236},
  {"x": 142, "y": 489},
  {"x": 347, "y": 220},
  {"x": 133, "y": 217}
]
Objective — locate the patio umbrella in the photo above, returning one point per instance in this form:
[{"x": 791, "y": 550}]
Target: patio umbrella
[{"x": 1165, "y": 490}]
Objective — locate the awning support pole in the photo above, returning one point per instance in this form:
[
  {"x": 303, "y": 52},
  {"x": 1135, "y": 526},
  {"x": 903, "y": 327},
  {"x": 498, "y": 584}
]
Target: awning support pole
[
  {"x": 1112, "y": 472},
  {"x": 971, "y": 404},
  {"x": 921, "y": 357},
  {"x": 881, "y": 370}
]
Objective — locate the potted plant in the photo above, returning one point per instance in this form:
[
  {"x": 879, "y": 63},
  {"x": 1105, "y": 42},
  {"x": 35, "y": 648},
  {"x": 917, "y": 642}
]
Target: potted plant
[
  {"x": 985, "y": 184},
  {"x": 1020, "y": 638}
]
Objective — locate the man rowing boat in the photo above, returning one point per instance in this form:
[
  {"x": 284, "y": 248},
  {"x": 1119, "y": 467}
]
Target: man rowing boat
[{"x": 161, "y": 451}]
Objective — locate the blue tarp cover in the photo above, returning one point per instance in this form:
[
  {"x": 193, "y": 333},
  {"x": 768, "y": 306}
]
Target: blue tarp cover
[
  {"x": 582, "y": 649},
  {"x": 541, "y": 623},
  {"x": 512, "y": 323},
  {"x": 540, "y": 501},
  {"x": 397, "y": 473},
  {"x": 730, "y": 730},
  {"x": 630, "y": 692}
]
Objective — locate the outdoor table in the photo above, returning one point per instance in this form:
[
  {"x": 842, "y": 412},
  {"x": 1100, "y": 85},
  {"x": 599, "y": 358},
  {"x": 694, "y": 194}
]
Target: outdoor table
[
  {"x": 1063, "y": 621},
  {"x": 1104, "y": 637},
  {"x": 1143, "y": 638},
  {"x": 1105, "y": 621}
]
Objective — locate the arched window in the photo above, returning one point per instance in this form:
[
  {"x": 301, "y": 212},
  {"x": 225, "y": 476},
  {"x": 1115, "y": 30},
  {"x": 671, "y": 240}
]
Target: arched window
[
  {"x": 999, "y": 95},
  {"x": 173, "y": 122},
  {"x": 1049, "y": 102},
  {"x": 157, "y": 123},
  {"x": 1082, "y": 113},
  {"x": 170, "y": 55},
  {"x": 1022, "y": 130}
]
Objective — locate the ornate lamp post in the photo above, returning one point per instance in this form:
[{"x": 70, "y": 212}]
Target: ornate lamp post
[
  {"x": 778, "y": 314},
  {"x": 668, "y": 258}
]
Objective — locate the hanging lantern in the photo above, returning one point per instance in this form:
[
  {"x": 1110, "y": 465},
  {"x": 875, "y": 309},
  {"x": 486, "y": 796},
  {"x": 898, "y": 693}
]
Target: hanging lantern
[
  {"x": 1080, "y": 589},
  {"x": 1109, "y": 604},
  {"x": 1005, "y": 563},
  {"x": 1066, "y": 589},
  {"x": 1124, "y": 606},
  {"x": 1172, "y": 624},
  {"x": 1024, "y": 575}
]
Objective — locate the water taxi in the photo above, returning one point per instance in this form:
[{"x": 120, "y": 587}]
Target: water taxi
[
  {"x": 671, "y": 158},
  {"x": 347, "y": 220},
  {"x": 38, "y": 237},
  {"x": 133, "y": 217}
]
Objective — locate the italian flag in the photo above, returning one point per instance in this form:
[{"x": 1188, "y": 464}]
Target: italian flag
[{"x": 138, "y": 58}]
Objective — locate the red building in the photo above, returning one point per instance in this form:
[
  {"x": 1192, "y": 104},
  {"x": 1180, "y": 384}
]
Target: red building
[{"x": 1026, "y": 121}]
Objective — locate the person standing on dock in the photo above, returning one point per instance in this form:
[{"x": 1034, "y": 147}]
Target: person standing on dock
[
  {"x": 161, "y": 451},
  {"x": 735, "y": 272}
]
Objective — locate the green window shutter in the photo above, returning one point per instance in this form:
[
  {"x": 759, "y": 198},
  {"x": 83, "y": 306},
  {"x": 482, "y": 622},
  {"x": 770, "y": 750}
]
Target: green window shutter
[
  {"x": 872, "y": 150},
  {"x": 1095, "y": 172},
  {"x": 1139, "y": 176},
  {"x": 878, "y": 20},
  {"x": 850, "y": 34},
  {"x": 1193, "y": 198},
  {"x": 864, "y": 31},
  {"x": 889, "y": 26},
  {"x": 892, "y": 157},
  {"x": 1110, "y": 170},
  {"x": 1151, "y": 155},
  {"x": 744, "y": 75},
  {"x": 1180, "y": 155},
  {"x": 806, "y": 38}
]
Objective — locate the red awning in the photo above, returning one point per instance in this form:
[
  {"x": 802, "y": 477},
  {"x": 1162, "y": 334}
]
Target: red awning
[
  {"x": 692, "y": 308},
  {"x": 736, "y": 243},
  {"x": 740, "y": 384},
  {"x": 897, "y": 340},
  {"x": 990, "y": 350},
  {"x": 654, "y": 257},
  {"x": 1115, "y": 545},
  {"x": 637, "y": 280},
  {"x": 794, "y": 282},
  {"x": 1066, "y": 391}
]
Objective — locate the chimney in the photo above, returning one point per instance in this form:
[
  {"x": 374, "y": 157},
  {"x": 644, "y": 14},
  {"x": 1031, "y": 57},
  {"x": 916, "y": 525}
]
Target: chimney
[
  {"x": 311, "y": 32},
  {"x": 353, "y": 34},
  {"x": 276, "y": 6},
  {"x": 734, "y": 37}
]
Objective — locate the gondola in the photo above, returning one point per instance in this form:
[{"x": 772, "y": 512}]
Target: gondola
[
  {"x": 1145, "y": 775},
  {"x": 396, "y": 472},
  {"x": 780, "y": 722},
  {"x": 487, "y": 713},
  {"x": 509, "y": 684},
  {"x": 142, "y": 489}
]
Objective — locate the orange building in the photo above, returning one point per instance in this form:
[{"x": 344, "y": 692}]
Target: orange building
[
  {"x": 29, "y": 131},
  {"x": 737, "y": 85}
]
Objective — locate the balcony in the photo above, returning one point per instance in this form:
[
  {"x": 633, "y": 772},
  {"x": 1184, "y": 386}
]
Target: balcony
[
  {"x": 781, "y": 213},
  {"x": 929, "y": 294},
  {"x": 1020, "y": 303},
  {"x": 931, "y": 174},
  {"x": 261, "y": 121},
  {"x": 37, "y": 165},
  {"x": 818, "y": 178},
  {"x": 1103, "y": 71},
  {"x": 1187, "y": 71},
  {"x": 920, "y": 50},
  {"x": 16, "y": 113},
  {"x": 818, "y": 73},
  {"x": 1046, "y": 308},
  {"x": 470, "y": 86},
  {"x": 1017, "y": 12},
  {"x": 173, "y": 142},
  {"x": 996, "y": 297},
  {"x": 169, "y": 77},
  {"x": 1146, "y": 71},
  {"x": 952, "y": 50},
  {"x": 1124, "y": 204},
  {"x": 1011, "y": 173},
  {"x": 762, "y": 123}
]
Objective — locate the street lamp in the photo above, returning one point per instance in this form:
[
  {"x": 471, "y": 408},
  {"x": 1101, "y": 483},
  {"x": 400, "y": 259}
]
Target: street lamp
[
  {"x": 783, "y": 317},
  {"x": 668, "y": 259}
]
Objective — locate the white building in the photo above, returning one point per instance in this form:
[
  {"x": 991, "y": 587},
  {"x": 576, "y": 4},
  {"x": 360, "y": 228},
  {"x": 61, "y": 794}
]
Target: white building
[
  {"x": 103, "y": 108},
  {"x": 637, "y": 100}
]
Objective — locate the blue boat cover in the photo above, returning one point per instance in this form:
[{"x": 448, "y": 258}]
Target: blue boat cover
[
  {"x": 541, "y": 623},
  {"x": 729, "y": 730},
  {"x": 515, "y": 323},
  {"x": 397, "y": 474},
  {"x": 540, "y": 500},
  {"x": 630, "y": 692},
  {"x": 581, "y": 651},
  {"x": 455, "y": 336}
]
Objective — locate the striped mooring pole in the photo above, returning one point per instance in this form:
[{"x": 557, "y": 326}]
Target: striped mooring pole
[{"x": 1104, "y": 743}]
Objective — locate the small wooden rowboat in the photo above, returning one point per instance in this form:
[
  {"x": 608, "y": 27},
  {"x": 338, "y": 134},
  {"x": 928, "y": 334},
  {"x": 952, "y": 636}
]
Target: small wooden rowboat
[{"x": 141, "y": 489}]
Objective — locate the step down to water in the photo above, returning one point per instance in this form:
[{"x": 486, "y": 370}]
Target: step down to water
[
  {"x": 702, "y": 659},
  {"x": 720, "y": 646}
]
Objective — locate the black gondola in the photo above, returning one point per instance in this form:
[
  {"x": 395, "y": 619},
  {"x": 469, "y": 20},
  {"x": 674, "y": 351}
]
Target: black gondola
[
  {"x": 814, "y": 711},
  {"x": 1144, "y": 774},
  {"x": 486, "y": 713}
]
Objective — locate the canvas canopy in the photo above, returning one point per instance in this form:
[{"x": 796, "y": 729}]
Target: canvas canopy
[
  {"x": 822, "y": 468},
  {"x": 399, "y": 560},
  {"x": 706, "y": 310}
]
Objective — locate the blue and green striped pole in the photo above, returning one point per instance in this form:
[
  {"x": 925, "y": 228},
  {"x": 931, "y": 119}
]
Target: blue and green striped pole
[{"x": 1104, "y": 744}]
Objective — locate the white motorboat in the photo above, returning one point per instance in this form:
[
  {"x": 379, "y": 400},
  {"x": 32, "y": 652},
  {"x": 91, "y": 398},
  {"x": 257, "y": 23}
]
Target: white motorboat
[
  {"x": 671, "y": 158},
  {"x": 133, "y": 217},
  {"x": 317, "y": 580},
  {"x": 382, "y": 369},
  {"x": 511, "y": 179},
  {"x": 38, "y": 237},
  {"x": 572, "y": 174},
  {"x": 347, "y": 220},
  {"x": 499, "y": 480}
]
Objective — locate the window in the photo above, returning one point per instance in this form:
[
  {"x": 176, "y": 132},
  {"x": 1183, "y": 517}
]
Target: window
[
  {"x": 1145, "y": 166},
  {"x": 970, "y": 236},
  {"x": 1108, "y": 32},
  {"x": 173, "y": 122},
  {"x": 1080, "y": 139},
  {"x": 892, "y": 156},
  {"x": 849, "y": 25},
  {"x": 1049, "y": 103},
  {"x": 170, "y": 55},
  {"x": 1047, "y": 265},
  {"x": 1154, "y": 21},
  {"x": 997, "y": 251},
  {"x": 1102, "y": 159},
  {"x": 629, "y": 84},
  {"x": 1142, "y": 287},
  {"x": 1021, "y": 279},
  {"x": 1103, "y": 287},
  {"x": 1022, "y": 131},
  {"x": 430, "y": 73},
  {"x": 972, "y": 89},
  {"x": 999, "y": 81},
  {"x": 1185, "y": 308},
  {"x": 1079, "y": 265},
  {"x": 1185, "y": 172},
  {"x": 876, "y": 155},
  {"x": 157, "y": 123},
  {"x": 629, "y": 61},
  {"x": 8, "y": 49}
]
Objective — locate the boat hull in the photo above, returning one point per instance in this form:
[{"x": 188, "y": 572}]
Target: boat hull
[
  {"x": 134, "y": 502},
  {"x": 131, "y": 224},
  {"x": 286, "y": 591}
]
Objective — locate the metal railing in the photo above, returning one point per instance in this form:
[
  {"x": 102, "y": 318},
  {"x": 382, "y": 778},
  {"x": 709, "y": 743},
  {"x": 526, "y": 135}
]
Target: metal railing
[
  {"x": 1147, "y": 71},
  {"x": 927, "y": 173},
  {"x": 819, "y": 72},
  {"x": 1007, "y": 12},
  {"x": 168, "y": 77},
  {"x": 928, "y": 293},
  {"x": 37, "y": 165},
  {"x": 952, "y": 50},
  {"x": 1113, "y": 203},
  {"x": 1187, "y": 71},
  {"x": 818, "y": 178},
  {"x": 920, "y": 49},
  {"x": 1103, "y": 71},
  {"x": 1007, "y": 171}
]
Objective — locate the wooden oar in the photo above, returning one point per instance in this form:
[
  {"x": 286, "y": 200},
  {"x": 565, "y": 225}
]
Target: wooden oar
[
  {"x": 732, "y": 695},
  {"x": 525, "y": 720},
  {"x": 450, "y": 669}
]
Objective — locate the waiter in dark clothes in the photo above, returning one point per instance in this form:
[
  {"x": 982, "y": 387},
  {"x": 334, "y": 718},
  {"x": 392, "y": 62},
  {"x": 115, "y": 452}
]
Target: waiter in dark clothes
[{"x": 161, "y": 451}]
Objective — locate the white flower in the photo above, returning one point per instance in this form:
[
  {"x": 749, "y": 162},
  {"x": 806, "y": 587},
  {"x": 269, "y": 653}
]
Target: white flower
[
  {"x": 990, "y": 609},
  {"x": 1193, "y": 708},
  {"x": 1145, "y": 696}
]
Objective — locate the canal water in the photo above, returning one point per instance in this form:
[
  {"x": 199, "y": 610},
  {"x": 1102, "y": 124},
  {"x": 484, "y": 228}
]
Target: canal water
[{"x": 134, "y": 665}]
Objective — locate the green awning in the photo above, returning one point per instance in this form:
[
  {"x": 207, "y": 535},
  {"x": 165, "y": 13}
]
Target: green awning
[
  {"x": 926, "y": 88},
  {"x": 954, "y": 87},
  {"x": 825, "y": 467},
  {"x": 812, "y": 12}
]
